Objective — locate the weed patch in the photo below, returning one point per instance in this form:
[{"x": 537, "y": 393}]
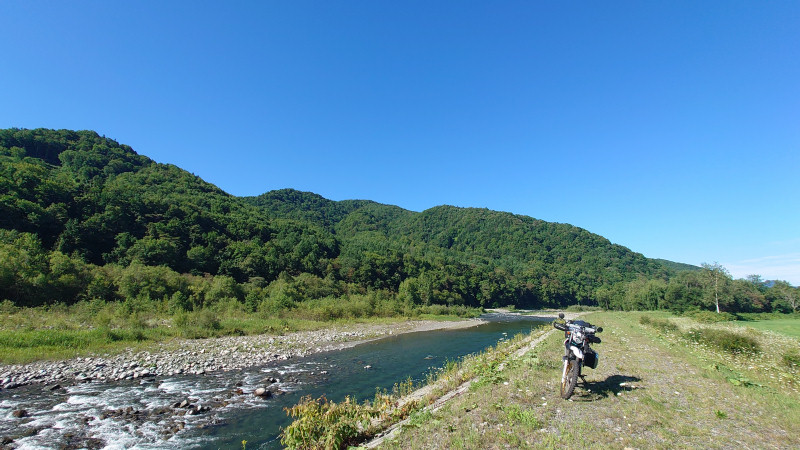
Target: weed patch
[
  {"x": 711, "y": 317},
  {"x": 791, "y": 361},
  {"x": 323, "y": 424},
  {"x": 724, "y": 340},
  {"x": 663, "y": 325}
]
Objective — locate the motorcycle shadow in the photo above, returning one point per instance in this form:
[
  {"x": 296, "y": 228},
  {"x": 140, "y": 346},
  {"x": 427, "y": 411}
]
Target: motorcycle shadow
[{"x": 611, "y": 386}]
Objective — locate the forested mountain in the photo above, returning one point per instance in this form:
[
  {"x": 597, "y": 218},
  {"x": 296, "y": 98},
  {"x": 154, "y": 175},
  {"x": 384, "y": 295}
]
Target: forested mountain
[
  {"x": 558, "y": 262},
  {"x": 83, "y": 217},
  {"x": 678, "y": 267}
]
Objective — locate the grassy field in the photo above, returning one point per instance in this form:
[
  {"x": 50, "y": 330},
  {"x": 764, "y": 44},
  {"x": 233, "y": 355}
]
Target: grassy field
[
  {"x": 656, "y": 386},
  {"x": 786, "y": 326}
]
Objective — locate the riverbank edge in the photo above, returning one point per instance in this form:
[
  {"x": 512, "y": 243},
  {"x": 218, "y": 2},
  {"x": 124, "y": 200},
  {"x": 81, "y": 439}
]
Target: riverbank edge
[
  {"x": 427, "y": 394},
  {"x": 201, "y": 356}
]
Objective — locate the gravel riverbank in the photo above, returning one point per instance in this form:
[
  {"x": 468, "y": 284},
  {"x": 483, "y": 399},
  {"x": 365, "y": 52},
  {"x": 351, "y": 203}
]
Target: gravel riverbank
[{"x": 207, "y": 355}]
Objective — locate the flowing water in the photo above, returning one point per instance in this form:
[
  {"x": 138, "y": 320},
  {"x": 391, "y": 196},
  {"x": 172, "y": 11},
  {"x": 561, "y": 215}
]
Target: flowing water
[{"x": 142, "y": 414}]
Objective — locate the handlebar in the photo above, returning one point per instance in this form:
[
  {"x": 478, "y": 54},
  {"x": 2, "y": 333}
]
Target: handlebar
[{"x": 589, "y": 327}]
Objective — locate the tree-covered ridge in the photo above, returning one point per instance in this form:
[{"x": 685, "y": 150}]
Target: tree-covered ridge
[
  {"x": 83, "y": 217},
  {"x": 91, "y": 198},
  {"x": 306, "y": 206},
  {"x": 676, "y": 266}
]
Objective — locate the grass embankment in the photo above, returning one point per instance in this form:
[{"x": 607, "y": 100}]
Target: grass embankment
[
  {"x": 660, "y": 386},
  {"x": 320, "y": 423},
  {"x": 97, "y": 327}
]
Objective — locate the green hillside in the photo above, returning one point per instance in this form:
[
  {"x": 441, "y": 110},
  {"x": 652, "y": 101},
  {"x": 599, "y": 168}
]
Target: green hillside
[{"x": 83, "y": 218}]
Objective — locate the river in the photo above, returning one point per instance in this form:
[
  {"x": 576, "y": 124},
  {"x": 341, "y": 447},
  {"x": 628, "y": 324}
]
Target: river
[{"x": 142, "y": 414}]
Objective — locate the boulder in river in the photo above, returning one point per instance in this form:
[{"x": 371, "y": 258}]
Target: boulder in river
[{"x": 262, "y": 392}]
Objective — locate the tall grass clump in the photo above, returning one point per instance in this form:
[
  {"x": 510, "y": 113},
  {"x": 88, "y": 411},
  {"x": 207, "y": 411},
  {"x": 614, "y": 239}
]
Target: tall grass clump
[
  {"x": 724, "y": 340},
  {"x": 711, "y": 317},
  {"x": 322, "y": 424},
  {"x": 663, "y": 325},
  {"x": 791, "y": 360},
  {"x": 583, "y": 308}
]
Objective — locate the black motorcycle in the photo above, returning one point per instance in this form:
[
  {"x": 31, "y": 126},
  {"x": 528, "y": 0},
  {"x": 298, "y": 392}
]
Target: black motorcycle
[{"x": 578, "y": 335}]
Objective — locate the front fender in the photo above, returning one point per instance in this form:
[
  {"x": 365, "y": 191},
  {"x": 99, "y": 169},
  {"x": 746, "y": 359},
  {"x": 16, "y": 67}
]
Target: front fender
[{"x": 576, "y": 351}]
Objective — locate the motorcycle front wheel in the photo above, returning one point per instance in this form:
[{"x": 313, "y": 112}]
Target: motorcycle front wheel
[{"x": 569, "y": 379}]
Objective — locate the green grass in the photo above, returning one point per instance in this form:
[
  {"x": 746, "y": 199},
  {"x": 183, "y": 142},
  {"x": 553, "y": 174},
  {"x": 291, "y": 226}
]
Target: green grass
[
  {"x": 651, "y": 390},
  {"x": 786, "y": 326}
]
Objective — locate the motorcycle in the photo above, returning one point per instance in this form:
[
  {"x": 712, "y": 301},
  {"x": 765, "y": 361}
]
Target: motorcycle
[{"x": 578, "y": 335}]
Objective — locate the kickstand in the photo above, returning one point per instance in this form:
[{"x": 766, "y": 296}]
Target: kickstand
[{"x": 583, "y": 378}]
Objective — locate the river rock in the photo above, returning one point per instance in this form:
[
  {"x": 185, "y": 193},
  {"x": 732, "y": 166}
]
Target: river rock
[
  {"x": 262, "y": 392},
  {"x": 20, "y": 413}
]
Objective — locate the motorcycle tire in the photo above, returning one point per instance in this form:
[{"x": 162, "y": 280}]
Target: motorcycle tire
[{"x": 571, "y": 379}]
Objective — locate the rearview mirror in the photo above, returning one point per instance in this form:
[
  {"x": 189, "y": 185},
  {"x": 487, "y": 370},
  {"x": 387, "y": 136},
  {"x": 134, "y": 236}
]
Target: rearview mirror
[
  {"x": 599, "y": 329},
  {"x": 560, "y": 315}
]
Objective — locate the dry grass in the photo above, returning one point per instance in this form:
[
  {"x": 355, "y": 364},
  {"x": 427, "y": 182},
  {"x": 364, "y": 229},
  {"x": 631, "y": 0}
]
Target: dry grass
[{"x": 649, "y": 391}]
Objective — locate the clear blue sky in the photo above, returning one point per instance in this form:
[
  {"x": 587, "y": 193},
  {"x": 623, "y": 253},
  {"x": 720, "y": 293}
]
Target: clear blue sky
[{"x": 670, "y": 127}]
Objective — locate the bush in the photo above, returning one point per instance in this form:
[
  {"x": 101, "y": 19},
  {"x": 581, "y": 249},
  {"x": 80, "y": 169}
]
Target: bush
[
  {"x": 583, "y": 308},
  {"x": 8, "y": 307},
  {"x": 324, "y": 424},
  {"x": 664, "y": 325},
  {"x": 791, "y": 360},
  {"x": 197, "y": 324},
  {"x": 710, "y": 316},
  {"x": 724, "y": 340}
]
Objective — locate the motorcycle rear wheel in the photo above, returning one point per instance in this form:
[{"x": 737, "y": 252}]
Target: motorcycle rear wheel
[{"x": 570, "y": 380}]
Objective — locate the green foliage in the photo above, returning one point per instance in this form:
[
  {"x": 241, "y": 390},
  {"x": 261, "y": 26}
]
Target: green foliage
[
  {"x": 83, "y": 217},
  {"x": 517, "y": 415},
  {"x": 791, "y": 360},
  {"x": 322, "y": 424},
  {"x": 582, "y": 308},
  {"x": 710, "y": 317},
  {"x": 721, "y": 339},
  {"x": 724, "y": 340},
  {"x": 664, "y": 325}
]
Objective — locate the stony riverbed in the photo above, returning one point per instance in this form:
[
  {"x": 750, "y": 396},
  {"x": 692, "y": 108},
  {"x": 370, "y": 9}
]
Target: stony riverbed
[
  {"x": 149, "y": 398},
  {"x": 202, "y": 356}
]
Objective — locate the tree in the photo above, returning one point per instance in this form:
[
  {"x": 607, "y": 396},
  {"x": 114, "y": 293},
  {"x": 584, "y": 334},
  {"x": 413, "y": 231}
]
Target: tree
[
  {"x": 785, "y": 297},
  {"x": 715, "y": 277}
]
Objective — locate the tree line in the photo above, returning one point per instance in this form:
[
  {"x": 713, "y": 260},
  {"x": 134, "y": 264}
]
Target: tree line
[{"x": 85, "y": 218}]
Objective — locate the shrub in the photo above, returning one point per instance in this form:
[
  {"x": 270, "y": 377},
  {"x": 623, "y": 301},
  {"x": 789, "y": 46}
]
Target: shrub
[
  {"x": 791, "y": 360},
  {"x": 8, "y": 307},
  {"x": 197, "y": 324},
  {"x": 664, "y": 325},
  {"x": 710, "y": 316},
  {"x": 724, "y": 340},
  {"x": 583, "y": 308},
  {"x": 324, "y": 424}
]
